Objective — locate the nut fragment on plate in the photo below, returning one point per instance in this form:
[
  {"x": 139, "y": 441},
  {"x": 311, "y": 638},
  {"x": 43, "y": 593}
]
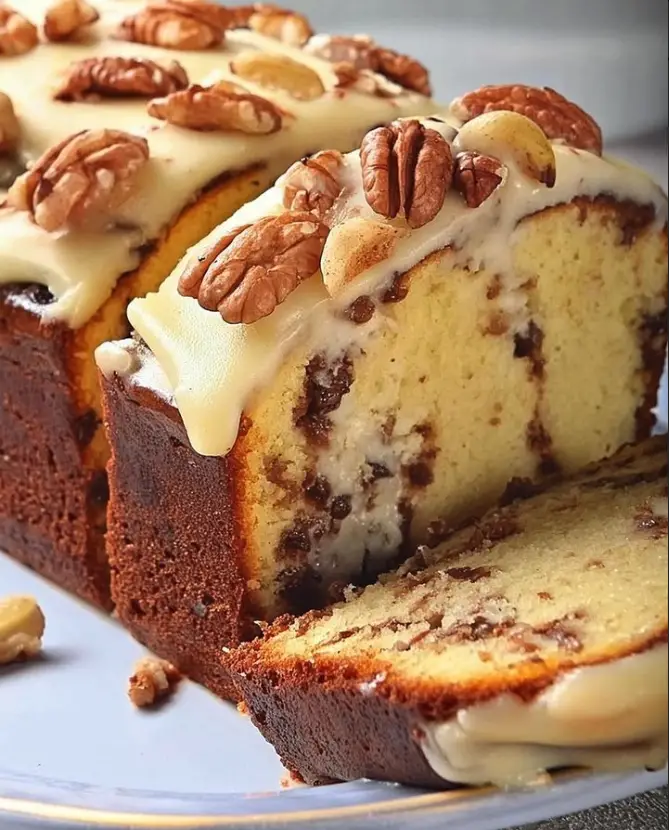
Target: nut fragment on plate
[
  {"x": 223, "y": 106},
  {"x": 355, "y": 246},
  {"x": 177, "y": 24},
  {"x": 559, "y": 118},
  {"x": 313, "y": 184},
  {"x": 17, "y": 33},
  {"x": 282, "y": 24},
  {"x": 476, "y": 177},
  {"x": 66, "y": 18},
  {"x": 511, "y": 138},
  {"x": 153, "y": 680},
  {"x": 249, "y": 271},
  {"x": 21, "y": 628},
  {"x": 116, "y": 77},
  {"x": 406, "y": 168},
  {"x": 9, "y": 124},
  {"x": 279, "y": 72},
  {"x": 80, "y": 181}
]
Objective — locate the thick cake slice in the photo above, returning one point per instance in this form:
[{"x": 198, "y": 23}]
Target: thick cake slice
[
  {"x": 533, "y": 639},
  {"x": 489, "y": 304},
  {"x": 144, "y": 125}
]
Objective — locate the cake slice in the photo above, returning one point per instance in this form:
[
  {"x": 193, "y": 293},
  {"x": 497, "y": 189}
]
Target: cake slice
[
  {"x": 382, "y": 339},
  {"x": 144, "y": 125},
  {"x": 533, "y": 639}
]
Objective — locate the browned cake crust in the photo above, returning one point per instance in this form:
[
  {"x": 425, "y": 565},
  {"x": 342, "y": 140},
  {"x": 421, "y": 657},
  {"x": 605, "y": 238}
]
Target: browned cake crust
[{"x": 52, "y": 506}]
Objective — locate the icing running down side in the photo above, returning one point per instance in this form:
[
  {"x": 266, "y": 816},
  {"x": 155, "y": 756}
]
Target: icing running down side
[
  {"x": 607, "y": 717},
  {"x": 215, "y": 368},
  {"x": 81, "y": 269}
]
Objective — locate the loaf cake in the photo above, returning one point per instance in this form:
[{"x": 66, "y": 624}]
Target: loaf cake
[
  {"x": 144, "y": 126},
  {"x": 533, "y": 639},
  {"x": 382, "y": 339}
]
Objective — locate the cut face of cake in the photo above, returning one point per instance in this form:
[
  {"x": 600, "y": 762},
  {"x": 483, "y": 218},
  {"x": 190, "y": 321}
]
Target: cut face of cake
[
  {"x": 533, "y": 639},
  {"x": 143, "y": 126},
  {"x": 384, "y": 339}
]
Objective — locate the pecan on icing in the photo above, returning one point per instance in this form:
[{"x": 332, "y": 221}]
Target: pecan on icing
[
  {"x": 17, "y": 33},
  {"x": 406, "y": 168},
  {"x": 279, "y": 72},
  {"x": 177, "y": 24},
  {"x": 9, "y": 124},
  {"x": 66, "y": 18},
  {"x": 313, "y": 184},
  {"x": 558, "y": 117},
  {"x": 116, "y": 77},
  {"x": 404, "y": 70},
  {"x": 248, "y": 272},
  {"x": 476, "y": 176},
  {"x": 81, "y": 180},
  {"x": 282, "y": 24},
  {"x": 364, "y": 81},
  {"x": 223, "y": 106}
]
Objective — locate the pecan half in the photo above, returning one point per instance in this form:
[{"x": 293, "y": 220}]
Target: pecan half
[
  {"x": 17, "y": 33},
  {"x": 364, "y": 81},
  {"x": 558, "y": 117},
  {"x": 9, "y": 124},
  {"x": 476, "y": 176},
  {"x": 66, "y": 18},
  {"x": 279, "y": 72},
  {"x": 79, "y": 182},
  {"x": 223, "y": 106},
  {"x": 406, "y": 168},
  {"x": 363, "y": 53},
  {"x": 249, "y": 271},
  {"x": 282, "y": 24},
  {"x": 111, "y": 77},
  {"x": 177, "y": 24},
  {"x": 313, "y": 184}
]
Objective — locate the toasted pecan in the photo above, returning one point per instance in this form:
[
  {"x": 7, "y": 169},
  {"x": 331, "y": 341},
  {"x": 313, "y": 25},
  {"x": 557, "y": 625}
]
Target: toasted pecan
[
  {"x": 113, "y": 77},
  {"x": 78, "y": 182},
  {"x": 558, "y": 117},
  {"x": 246, "y": 273},
  {"x": 476, "y": 176},
  {"x": 66, "y": 18},
  {"x": 406, "y": 168},
  {"x": 223, "y": 106},
  {"x": 177, "y": 24},
  {"x": 283, "y": 24},
  {"x": 17, "y": 33},
  {"x": 313, "y": 184}
]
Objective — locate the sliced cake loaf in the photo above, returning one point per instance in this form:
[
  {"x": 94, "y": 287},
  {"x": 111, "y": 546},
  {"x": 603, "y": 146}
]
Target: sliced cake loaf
[
  {"x": 533, "y": 639},
  {"x": 489, "y": 304},
  {"x": 143, "y": 126}
]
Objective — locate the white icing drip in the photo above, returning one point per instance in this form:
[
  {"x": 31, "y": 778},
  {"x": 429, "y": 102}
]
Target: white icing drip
[
  {"x": 215, "y": 368},
  {"x": 608, "y": 717},
  {"x": 81, "y": 269}
]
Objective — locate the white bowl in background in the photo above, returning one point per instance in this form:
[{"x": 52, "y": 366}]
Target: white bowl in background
[{"x": 610, "y": 56}]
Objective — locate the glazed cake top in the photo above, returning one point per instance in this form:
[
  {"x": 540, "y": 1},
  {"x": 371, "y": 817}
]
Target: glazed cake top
[
  {"x": 465, "y": 181},
  {"x": 302, "y": 102}
]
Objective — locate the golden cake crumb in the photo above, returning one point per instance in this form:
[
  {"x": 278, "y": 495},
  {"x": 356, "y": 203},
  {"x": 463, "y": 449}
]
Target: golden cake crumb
[{"x": 153, "y": 680}]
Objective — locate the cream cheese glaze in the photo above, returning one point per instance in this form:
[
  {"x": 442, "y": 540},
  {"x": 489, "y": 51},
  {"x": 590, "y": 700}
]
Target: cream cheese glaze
[
  {"x": 214, "y": 369},
  {"x": 81, "y": 269},
  {"x": 608, "y": 717}
]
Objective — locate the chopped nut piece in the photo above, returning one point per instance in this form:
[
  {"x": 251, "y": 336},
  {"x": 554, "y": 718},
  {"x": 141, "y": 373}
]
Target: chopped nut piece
[
  {"x": 513, "y": 138},
  {"x": 177, "y": 24},
  {"x": 222, "y": 106},
  {"x": 65, "y": 18},
  {"x": 559, "y": 118},
  {"x": 249, "y": 271},
  {"x": 9, "y": 124},
  {"x": 476, "y": 177},
  {"x": 282, "y": 24},
  {"x": 21, "y": 628},
  {"x": 17, "y": 33},
  {"x": 79, "y": 182},
  {"x": 365, "y": 81},
  {"x": 152, "y": 681},
  {"x": 110, "y": 77},
  {"x": 406, "y": 168},
  {"x": 353, "y": 247},
  {"x": 279, "y": 72},
  {"x": 313, "y": 184}
]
